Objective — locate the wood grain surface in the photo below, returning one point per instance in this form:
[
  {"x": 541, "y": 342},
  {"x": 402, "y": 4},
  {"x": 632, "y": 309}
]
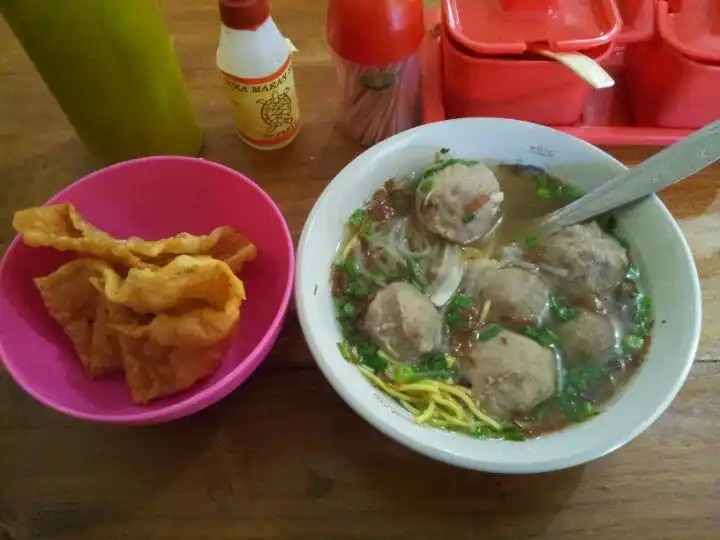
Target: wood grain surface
[{"x": 283, "y": 457}]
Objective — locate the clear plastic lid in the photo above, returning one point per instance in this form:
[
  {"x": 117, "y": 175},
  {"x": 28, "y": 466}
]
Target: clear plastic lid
[
  {"x": 515, "y": 26},
  {"x": 692, "y": 27}
]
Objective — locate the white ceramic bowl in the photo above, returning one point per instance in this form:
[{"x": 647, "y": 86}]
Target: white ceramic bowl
[{"x": 657, "y": 245}]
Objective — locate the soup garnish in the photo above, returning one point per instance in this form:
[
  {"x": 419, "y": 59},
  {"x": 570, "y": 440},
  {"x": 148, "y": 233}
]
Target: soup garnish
[{"x": 448, "y": 306}]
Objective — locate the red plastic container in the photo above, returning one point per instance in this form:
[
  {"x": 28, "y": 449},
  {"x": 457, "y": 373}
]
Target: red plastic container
[
  {"x": 607, "y": 119},
  {"x": 489, "y": 68},
  {"x": 674, "y": 80},
  {"x": 638, "y": 21}
]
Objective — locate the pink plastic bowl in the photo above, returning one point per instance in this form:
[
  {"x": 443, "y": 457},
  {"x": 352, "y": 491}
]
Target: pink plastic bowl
[{"x": 151, "y": 198}]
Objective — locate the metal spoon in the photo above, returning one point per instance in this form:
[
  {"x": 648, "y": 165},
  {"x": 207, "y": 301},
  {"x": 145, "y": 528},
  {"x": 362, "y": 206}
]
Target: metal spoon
[{"x": 675, "y": 163}]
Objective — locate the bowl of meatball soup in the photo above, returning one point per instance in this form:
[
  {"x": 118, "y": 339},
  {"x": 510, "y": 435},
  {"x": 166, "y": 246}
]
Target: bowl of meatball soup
[{"x": 443, "y": 315}]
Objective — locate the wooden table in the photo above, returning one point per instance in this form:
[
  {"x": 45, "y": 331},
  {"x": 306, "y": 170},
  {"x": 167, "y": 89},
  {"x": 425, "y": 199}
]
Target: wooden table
[{"x": 283, "y": 457}]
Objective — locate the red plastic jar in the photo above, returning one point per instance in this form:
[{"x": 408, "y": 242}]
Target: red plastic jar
[
  {"x": 489, "y": 68},
  {"x": 674, "y": 79}
]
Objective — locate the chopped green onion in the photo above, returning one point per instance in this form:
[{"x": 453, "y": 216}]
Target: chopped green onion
[
  {"x": 531, "y": 240},
  {"x": 358, "y": 282},
  {"x": 611, "y": 225},
  {"x": 360, "y": 221},
  {"x": 542, "y": 180},
  {"x": 563, "y": 313},
  {"x": 435, "y": 365},
  {"x": 490, "y": 332},
  {"x": 544, "y": 336},
  {"x": 633, "y": 274},
  {"x": 643, "y": 307},
  {"x": 444, "y": 150},
  {"x": 345, "y": 310},
  {"x": 411, "y": 273},
  {"x": 508, "y": 432},
  {"x": 454, "y": 312},
  {"x": 368, "y": 355},
  {"x": 548, "y": 187},
  {"x": 425, "y": 185},
  {"x": 344, "y": 348},
  {"x": 633, "y": 342},
  {"x": 590, "y": 410},
  {"x": 403, "y": 373},
  {"x": 467, "y": 218},
  {"x": 434, "y": 361},
  {"x": 566, "y": 191},
  {"x": 571, "y": 399},
  {"x": 440, "y": 165},
  {"x": 643, "y": 313},
  {"x": 460, "y": 300}
]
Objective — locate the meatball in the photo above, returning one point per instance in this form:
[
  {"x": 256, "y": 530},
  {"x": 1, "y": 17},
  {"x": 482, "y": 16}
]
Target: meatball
[
  {"x": 516, "y": 295},
  {"x": 459, "y": 202},
  {"x": 588, "y": 336},
  {"x": 403, "y": 322},
  {"x": 594, "y": 261},
  {"x": 511, "y": 374}
]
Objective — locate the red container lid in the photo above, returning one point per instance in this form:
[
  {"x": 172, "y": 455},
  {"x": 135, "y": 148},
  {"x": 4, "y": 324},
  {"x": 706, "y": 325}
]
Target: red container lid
[
  {"x": 514, "y": 26},
  {"x": 692, "y": 27},
  {"x": 375, "y": 32}
]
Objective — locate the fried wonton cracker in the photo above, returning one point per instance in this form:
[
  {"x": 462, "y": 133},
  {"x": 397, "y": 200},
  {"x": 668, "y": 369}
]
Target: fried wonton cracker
[
  {"x": 84, "y": 314},
  {"x": 60, "y": 226},
  {"x": 53, "y": 226},
  {"x": 175, "y": 324}
]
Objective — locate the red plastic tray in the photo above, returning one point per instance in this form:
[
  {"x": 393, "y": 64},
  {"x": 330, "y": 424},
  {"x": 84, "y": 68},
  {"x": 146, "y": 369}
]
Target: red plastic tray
[{"x": 607, "y": 119}]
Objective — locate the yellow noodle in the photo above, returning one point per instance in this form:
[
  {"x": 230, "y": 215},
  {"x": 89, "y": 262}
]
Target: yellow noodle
[
  {"x": 485, "y": 311},
  {"x": 349, "y": 246},
  {"x": 443, "y": 386},
  {"x": 380, "y": 384},
  {"x": 433, "y": 401},
  {"x": 425, "y": 386},
  {"x": 436, "y": 423},
  {"x": 470, "y": 405},
  {"x": 450, "y": 405},
  {"x": 389, "y": 359},
  {"x": 454, "y": 421},
  {"x": 405, "y": 403},
  {"x": 427, "y": 414}
]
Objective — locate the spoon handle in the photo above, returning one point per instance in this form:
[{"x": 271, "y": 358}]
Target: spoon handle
[
  {"x": 678, "y": 161},
  {"x": 584, "y": 67}
]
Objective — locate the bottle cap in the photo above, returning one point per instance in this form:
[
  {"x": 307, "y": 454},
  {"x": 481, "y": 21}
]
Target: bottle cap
[
  {"x": 375, "y": 32},
  {"x": 244, "y": 14}
]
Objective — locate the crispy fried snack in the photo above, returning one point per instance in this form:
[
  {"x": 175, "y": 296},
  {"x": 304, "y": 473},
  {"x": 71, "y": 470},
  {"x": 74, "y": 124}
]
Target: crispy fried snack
[
  {"x": 83, "y": 313},
  {"x": 60, "y": 226},
  {"x": 174, "y": 324},
  {"x": 164, "y": 311}
]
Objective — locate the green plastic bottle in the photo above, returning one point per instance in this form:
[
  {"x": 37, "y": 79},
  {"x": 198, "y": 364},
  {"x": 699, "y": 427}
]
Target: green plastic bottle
[{"x": 113, "y": 70}]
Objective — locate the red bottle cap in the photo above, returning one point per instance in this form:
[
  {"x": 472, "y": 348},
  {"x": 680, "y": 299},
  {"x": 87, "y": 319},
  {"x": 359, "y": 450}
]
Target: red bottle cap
[
  {"x": 244, "y": 14},
  {"x": 515, "y": 26},
  {"x": 375, "y": 32},
  {"x": 693, "y": 28}
]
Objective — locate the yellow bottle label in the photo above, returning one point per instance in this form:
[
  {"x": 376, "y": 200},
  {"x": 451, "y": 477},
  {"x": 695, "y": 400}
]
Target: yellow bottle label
[{"x": 266, "y": 109}]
